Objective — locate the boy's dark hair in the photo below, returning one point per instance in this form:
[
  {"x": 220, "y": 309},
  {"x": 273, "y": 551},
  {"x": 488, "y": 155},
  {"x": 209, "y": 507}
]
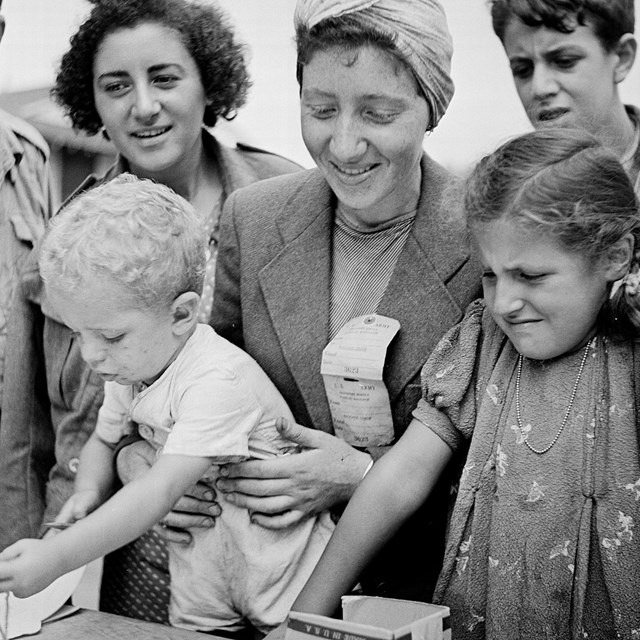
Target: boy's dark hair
[
  {"x": 610, "y": 19},
  {"x": 204, "y": 31}
]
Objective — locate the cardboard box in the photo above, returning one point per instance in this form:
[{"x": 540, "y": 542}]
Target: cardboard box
[{"x": 369, "y": 618}]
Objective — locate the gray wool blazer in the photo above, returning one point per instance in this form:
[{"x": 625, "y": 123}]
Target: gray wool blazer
[
  {"x": 272, "y": 298},
  {"x": 273, "y": 277}
]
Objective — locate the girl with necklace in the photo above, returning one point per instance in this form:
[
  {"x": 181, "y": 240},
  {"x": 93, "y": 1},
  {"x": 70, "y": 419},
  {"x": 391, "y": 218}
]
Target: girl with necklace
[{"x": 538, "y": 381}]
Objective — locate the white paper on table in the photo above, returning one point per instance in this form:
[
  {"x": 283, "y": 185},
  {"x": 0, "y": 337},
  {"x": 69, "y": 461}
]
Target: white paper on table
[{"x": 26, "y": 614}]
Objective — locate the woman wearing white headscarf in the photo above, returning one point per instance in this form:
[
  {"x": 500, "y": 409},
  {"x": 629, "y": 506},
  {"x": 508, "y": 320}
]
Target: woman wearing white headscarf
[{"x": 369, "y": 231}]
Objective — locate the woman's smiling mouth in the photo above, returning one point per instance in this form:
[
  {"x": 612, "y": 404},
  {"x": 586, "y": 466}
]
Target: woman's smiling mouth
[
  {"x": 150, "y": 133},
  {"x": 352, "y": 172}
]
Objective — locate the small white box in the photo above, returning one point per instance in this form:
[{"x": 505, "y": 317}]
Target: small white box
[{"x": 370, "y": 618}]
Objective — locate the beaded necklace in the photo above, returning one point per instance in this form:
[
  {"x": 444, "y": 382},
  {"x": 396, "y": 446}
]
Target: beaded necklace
[{"x": 572, "y": 398}]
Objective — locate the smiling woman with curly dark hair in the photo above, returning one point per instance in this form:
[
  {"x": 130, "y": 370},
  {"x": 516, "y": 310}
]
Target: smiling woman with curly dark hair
[
  {"x": 152, "y": 75},
  {"x": 202, "y": 29}
]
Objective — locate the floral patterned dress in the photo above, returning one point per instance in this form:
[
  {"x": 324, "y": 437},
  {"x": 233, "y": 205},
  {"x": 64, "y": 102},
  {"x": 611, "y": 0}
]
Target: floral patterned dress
[{"x": 539, "y": 546}]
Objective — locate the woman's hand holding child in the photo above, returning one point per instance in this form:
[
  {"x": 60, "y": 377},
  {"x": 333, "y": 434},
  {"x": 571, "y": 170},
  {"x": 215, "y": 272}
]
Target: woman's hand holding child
[
  {"x": 196, "y": 509},
  {"x": 281, "y": 492}
]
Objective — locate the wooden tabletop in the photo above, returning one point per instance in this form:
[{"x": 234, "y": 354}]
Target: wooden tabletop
[{"x": 96, "y": 625}]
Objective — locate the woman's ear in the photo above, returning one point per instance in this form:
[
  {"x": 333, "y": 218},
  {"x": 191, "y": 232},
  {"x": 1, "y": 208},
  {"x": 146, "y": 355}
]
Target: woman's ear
[
  {"x": 618, "y": 258},
  {"x": 184, "y": 311},
  {"x": 625, "y": 49}
]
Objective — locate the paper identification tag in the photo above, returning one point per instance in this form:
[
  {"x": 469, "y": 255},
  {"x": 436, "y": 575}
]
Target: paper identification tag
[{"x": 352, "y": 368}]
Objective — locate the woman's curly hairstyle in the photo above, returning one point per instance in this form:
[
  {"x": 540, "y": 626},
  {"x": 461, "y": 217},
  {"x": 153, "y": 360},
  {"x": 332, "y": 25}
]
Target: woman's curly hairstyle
[{"x": 204, "y": 31}]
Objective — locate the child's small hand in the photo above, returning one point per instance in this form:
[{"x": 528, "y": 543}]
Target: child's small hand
[
  {"x": 79, "y": 506},
  {"x": 26, "y": 568}
]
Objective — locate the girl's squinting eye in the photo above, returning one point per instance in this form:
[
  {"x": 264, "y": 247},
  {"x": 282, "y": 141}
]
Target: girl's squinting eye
[
  {"x": 488, "y": 274},
  {"x": 521, "y": 71},
  {"x": 531, "y": 277},
  {"x": 114, "y": 339}
]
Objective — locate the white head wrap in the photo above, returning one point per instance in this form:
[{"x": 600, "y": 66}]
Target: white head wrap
[{"x": 417, "y": 27}]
